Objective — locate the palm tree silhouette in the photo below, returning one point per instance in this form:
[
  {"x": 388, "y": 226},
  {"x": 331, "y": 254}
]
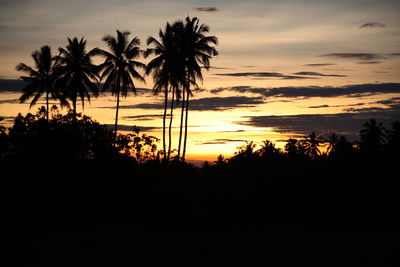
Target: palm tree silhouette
[
  {"x": 119, "y": 66},
  {"x": 167, "y": 74},
  {"x": 196, "y": 51},
  {"x": 77, "y": 72},
  {"x": 372, "y": 136},
  {"x": 312, "y": 142},
  {"x": 332, "y": 143},
  {"x": 41, "y": 80}
]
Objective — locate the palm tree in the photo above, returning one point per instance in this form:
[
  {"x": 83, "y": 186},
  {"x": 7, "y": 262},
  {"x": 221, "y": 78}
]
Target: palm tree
[
  {"x": 332, "y": 143},
  {"x": 196, "y": 51},
  {"x": 312, "y": 142},
  {"x": 77, "y": 72},
  {"x": 372, "y": 136},
  {"x": 167, "y": 74},
  {"x": 41, "y": 79},
  {"x": 119, "y": 68}
]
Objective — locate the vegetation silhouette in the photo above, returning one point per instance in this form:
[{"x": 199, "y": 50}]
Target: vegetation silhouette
[
  {"x": 76, "y": 73},
  {"x": 119, "y": 68},
  {"x": 41, "y": 80},
  {"x": 183, "y": 50},
  {"x": 167, "y": 74},
  {"x": 81, "y": 197},
  {"x": 80, "y": 194},
  {"x": 196, "y": 50}
]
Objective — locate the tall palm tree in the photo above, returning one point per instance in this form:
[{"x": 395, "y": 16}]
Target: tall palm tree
[
  {"x": 41, "y": 79},
  {"x": 167, "y": 74},
  {"x": 312, "y": 143},
  {"x": 77, "y": 72},
  {"x": 119, "y": 68},
  {"x": 196, "y": 51}
]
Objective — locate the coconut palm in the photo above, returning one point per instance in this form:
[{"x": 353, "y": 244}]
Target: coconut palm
[
  {"x": 167, "y": 74},
  {"x": 41, "y": 79},
  {"x": 312, "y": 143},
  {"x": 332, "y": 143},
  {"x": 372, "y": 136},
  {"x": 119, "y": 68},
  {"x": 196, "y": 51},
  {"x": 77, "y": 72}
]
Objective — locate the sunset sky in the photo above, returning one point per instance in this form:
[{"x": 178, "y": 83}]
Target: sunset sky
[{"x": 285, "y": 68}]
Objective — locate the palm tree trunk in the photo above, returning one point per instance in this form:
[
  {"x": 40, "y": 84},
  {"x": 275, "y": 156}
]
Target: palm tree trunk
[
  {"x": 181, "y": 125},
  {"x": 47, "y": 105},
  {"x": 186, "y": 124},
  {"x": 74, "y": 110},
  {"x": 170, "y": 124},
  {"x": 116, "y": 114},
  {"x": 164, "y": 118}
]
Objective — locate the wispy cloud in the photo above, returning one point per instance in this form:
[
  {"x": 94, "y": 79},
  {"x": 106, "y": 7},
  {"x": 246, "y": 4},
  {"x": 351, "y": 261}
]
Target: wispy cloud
[
  {"x": 206, "y": 9},
  {"x": 205, "y": 104},
  {"x": 318, "y": 64},
  {"x": 348, "y": 124},
  {"x": 311, "y": 73},
  {"x": 357, "y": 56},
  {"x": 221, "y": 141},
  {"x": 315, "y": 91},
  {"x": 373, "y": 25},
  {"x": 143, "y": 117},
  {"x": 123, "y": 127},
  {"x": 263, "y": 75},
  {"x": 369, "y": 62}
]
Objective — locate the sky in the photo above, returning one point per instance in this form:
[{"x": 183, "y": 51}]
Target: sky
[{"x": 284, "y": 69}]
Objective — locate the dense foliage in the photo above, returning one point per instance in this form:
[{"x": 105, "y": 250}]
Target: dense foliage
[{"x": 61, "y": 138}]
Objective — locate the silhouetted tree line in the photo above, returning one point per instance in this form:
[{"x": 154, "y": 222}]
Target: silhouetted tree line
[
  {"x": 74, "y": 194},
  {"x": 76, "y": 136},
  {"x": 52, "y": 136},
  {"x": 183, "y": 50}
]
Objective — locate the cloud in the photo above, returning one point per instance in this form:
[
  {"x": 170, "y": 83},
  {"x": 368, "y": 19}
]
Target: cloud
[
  {"x": 263, "y": 75},
  {"x": 206, "y": 104},
  {"x": 369, "y": 62},
  {"x": 123, "y": 127},
  {"x": 143, "y": 117},
  {"x": 221, "y": 141},
  {"x": 348, "y": 124},
  {"x": 206, "y": 9},
  {"x": 9, "y": 101},
  {"x": 318, "y": 64},
  {"x": 9, "y": 85},
  {"x": 373, "y": 25},
  {"x": 316, "y": 91},
  {"x": 320, "y": 106},
  {"x": 358, "y": 56},
  {"x": 311, "y": 73},
  {"x": 336, "y": 106}
]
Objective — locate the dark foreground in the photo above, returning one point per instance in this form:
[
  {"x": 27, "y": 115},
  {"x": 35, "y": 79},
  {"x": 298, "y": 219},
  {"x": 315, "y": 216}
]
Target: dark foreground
[{"x": 90, "y": 213}]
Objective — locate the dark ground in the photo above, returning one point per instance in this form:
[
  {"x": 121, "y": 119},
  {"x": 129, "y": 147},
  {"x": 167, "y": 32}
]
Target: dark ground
[{"x": 120, "y": 214}]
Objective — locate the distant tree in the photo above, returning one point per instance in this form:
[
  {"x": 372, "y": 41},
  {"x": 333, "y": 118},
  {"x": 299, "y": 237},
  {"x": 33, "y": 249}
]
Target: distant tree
[
  {"x": 41, "y": 79},
  {"x": 221, "y": 161},
  {"x": 372, "y": 137},
  {"x": 312, "y": 143},
  {"x": 332, "y": 143},
  {"x": 77, "y": 73},
  {"x": 119, "y": 68},
  {"x": 268, "y": 150},
  {"x": 393, "y": 137}
]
